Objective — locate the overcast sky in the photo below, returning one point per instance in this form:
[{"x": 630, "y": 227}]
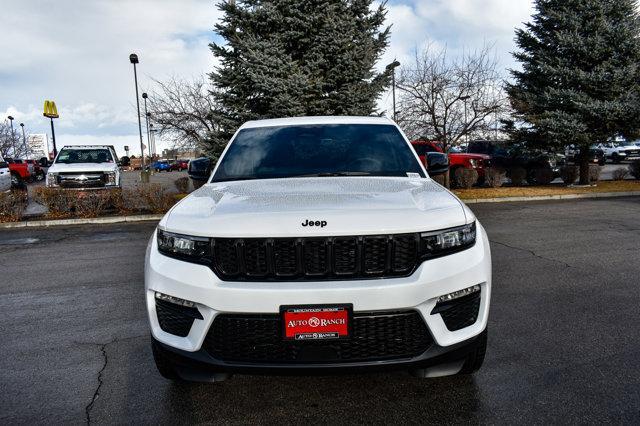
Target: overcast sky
[{"x": 75, "y": 52}]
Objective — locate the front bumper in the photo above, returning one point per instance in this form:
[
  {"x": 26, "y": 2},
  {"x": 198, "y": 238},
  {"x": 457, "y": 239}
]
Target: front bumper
[{"x": 418, "y": 292}]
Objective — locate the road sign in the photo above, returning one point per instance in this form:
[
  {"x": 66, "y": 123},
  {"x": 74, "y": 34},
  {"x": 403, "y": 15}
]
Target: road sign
[{"x": 50, "y": 109}]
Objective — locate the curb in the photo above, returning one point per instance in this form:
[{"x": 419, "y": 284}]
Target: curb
[
  {"x": 89, "y": 221},
  {"x": 552, "y": 197}
]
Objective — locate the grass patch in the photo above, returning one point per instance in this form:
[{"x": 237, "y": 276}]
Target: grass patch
[{"x": 540, "y": 191}]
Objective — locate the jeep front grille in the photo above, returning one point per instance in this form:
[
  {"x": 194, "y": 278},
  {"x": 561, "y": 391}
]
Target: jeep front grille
[{"x": 328, "y": 258}]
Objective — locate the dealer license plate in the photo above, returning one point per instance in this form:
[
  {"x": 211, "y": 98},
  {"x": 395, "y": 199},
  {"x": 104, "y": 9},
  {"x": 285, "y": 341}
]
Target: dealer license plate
[{"x": 314, "y": 322}]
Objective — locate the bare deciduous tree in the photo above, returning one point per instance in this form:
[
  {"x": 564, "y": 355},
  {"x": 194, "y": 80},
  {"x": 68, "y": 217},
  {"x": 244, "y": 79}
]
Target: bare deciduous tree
[
  {"x": 446, "y": 99},
  {"x": 186, "y": 113},
  {"x": 12, "y": 145}
]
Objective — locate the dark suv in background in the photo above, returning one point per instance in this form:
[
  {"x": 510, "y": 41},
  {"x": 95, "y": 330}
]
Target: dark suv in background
[{"x": 509, "y": 157}]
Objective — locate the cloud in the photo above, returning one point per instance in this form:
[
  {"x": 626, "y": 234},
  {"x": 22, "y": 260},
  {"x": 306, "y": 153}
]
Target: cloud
[{"x": 76, "y": 52}]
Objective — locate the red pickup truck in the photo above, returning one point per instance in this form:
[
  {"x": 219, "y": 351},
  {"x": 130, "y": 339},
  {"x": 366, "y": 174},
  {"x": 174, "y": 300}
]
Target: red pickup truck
[
  {"x": 479, "y": 162},
  {"x": 20, "y": 171}
]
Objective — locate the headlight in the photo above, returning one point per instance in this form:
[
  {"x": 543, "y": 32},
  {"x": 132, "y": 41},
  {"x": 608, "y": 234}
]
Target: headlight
[
  {"x": 447, "y": 241},
  {"x": 184, "y": 247},
  {"x": 111, "y": 178},
  {"x": 52, "y": 179},
  {"x": 474, "y": 163}
]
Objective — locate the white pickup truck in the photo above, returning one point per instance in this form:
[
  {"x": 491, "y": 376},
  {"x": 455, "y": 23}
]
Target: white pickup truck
[
  {"x": 319, "y": 244},
  {"x": 5, "y": 175},
  {"x": 85, "y": 167},
  {"x": 619, "y": 151}
]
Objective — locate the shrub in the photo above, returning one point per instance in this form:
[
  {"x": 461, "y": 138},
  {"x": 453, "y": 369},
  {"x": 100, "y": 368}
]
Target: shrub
[
  {"x": 12, "y": 206},
  {"x": 156, "y": 198},
  {"x": 543, "y": 176},
  {"x": 569, "y": 174},
  {"x": 182, "y": 184},
  {"x": 620, "y": 174},
  {"x": 594, "y": 173},
  {"x": 92, "y": 203},
  {"x": 465, "y": 178},
  {"x": 494, "y": 177},
  {"x": 634, "y": 169},
  {"x": 60, "y": 202},
  {"x": 518, "y": 175}
]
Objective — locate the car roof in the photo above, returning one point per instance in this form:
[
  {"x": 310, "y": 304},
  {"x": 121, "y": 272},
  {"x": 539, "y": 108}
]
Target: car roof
[
  {"x": 293, "y": 121},
  {"x": 87, "y": 146}
]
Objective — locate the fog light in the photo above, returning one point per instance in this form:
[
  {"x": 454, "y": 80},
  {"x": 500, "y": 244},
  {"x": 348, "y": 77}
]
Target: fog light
[
  {"x": 460, "y": 293},
  {"x": 175, "y": 300}
]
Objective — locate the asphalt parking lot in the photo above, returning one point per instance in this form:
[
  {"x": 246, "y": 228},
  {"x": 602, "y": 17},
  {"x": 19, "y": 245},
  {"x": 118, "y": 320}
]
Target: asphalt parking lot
[{"x": 563, "y": 342}]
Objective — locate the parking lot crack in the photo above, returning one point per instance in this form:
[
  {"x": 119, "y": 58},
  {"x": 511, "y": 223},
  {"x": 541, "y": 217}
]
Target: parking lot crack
[
  {"x": 96, "y": 393},
  {"x": 533, "y": 253}
]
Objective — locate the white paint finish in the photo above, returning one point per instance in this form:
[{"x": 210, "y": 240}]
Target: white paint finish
[{"x": 349, "y": 205}]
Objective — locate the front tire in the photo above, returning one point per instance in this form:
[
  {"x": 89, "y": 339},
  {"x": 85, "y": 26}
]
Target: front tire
[
  {"x": 17, "y": 182},
  {"x": 475, "y": 359},
  {"x": 163, "y": 363}
]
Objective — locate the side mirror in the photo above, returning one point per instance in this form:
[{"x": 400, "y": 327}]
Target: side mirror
[{"x": 437, "y": 163}]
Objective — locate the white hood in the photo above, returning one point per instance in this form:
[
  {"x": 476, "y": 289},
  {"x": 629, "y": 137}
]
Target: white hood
[
  {"x": 348, "y": 205},
  {"x": 82, "y": 167}
]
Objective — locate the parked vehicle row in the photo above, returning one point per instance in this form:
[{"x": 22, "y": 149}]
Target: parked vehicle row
[
  {"x": 478, "y": 162},
  {"x": 169, "y": 165}
]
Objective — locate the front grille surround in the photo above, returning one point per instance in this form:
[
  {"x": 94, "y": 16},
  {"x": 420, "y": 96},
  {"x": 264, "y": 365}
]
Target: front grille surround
[
  {"x": 459, "y": 313},
  {"x": 375, "y": 336},
  {"x": 315, "y": 258},
  {"x": 82, "y": 180},
  {"x": 176, "y": 319}
]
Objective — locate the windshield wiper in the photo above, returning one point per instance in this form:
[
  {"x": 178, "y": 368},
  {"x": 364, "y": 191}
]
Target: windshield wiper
[{"x": 331, "y": 174}]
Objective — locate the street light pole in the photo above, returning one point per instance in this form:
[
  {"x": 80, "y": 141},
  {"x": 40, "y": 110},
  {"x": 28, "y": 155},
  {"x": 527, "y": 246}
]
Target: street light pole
[
  {"x": 133, "y": 58},
  {"x": 24, "y": 138},
  {"x": 393, "y": 65},
  {"x": 153, "y": 138},
  {"x": 147, "y": 116},
  {"x": 13, "y": 136}
]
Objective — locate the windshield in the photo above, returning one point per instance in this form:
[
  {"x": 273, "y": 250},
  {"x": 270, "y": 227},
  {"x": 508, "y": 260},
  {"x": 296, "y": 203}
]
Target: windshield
[
  {"x": 317, "y": 150},
  {"x": 84, "y": 155}
]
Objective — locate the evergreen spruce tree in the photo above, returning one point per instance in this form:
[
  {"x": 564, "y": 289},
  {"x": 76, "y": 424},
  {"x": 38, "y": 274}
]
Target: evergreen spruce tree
[
  {"x": 579, "y": 82},
  {"x": 285, "y": 58}
]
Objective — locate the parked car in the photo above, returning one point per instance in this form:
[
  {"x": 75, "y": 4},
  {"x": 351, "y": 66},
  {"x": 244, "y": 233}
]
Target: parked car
[
  {"x": 20, "y": 172},
  {"x": 619, "y": 151},
  {"x": 183, "y": 164},
  {"x": 457, "y": 159},
  {"x": 199, "y": 170},
  {"x": 161, "y": 166},
  {"x": 174, "y": 166},
  {"x": 596, "y": 155},
  {"x": 85, "y": 167},
  {"x": 321, "y": 244},
  {"x": 5, "y": 175},
  {"x": 518, "y": 156}
]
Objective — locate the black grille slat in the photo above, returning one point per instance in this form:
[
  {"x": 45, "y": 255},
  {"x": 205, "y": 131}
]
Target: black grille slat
[
  {"x": 315, "y": 258},
  {"x": 256, "y": 338}
]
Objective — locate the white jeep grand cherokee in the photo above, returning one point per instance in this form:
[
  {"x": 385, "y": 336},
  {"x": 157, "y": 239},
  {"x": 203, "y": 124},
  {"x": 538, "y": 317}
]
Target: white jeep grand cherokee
[{"x": 319, "y": 244}]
